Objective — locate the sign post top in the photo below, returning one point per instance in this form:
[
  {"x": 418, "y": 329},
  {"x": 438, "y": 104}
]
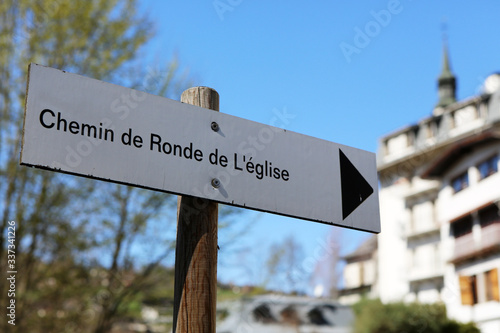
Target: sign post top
[{"x": 90, "y": 128}]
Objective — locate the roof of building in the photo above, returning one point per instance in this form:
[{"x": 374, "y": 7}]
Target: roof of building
[
  {"x": 446, "y": 72},
  {"x": 363, "y": 251},
  {"x": 446, "y": 83},
  {"x": 457, "y": 151}
]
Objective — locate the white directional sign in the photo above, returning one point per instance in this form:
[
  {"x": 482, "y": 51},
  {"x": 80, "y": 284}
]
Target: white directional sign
[{"x": 90, "y": 128}]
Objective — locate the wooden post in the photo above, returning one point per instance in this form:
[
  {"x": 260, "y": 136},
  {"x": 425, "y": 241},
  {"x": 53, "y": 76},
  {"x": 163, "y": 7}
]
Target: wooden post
[{"x": 196, "y": 247}]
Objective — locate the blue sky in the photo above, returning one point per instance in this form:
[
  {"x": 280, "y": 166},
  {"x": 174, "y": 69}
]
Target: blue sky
[{"x": 345, "y": 71}]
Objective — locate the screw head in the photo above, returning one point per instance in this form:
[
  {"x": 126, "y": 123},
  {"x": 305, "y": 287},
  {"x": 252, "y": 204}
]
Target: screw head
[
  {"x": 215, "y": 183},
  {"x": 214, "y": 126}
]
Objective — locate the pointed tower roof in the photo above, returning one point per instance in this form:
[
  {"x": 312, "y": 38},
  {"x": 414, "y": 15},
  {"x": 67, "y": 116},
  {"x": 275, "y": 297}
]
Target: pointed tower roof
[
  {"x": 446, "y": 82},
  {"x": 446, "y": 72}
]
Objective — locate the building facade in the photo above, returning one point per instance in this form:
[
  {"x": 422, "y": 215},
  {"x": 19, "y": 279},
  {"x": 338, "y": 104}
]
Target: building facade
[
  {"x": 360, "y": 273},
  {"x": 439, "y": 206}
]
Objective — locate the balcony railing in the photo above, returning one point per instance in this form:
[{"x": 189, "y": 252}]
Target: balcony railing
[
  {"x": 424, "y": 230},
  {"x": 490, "y": 236},
  {"x": 466, "y": 247},
  {"x": 430, "y": 271}
]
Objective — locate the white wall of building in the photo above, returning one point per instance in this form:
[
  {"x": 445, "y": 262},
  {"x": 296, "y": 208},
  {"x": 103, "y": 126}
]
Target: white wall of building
[{"x": 392, "y": 253}]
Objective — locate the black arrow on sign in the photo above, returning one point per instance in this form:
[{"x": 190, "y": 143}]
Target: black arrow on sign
[{"x": 355, "y": 188}]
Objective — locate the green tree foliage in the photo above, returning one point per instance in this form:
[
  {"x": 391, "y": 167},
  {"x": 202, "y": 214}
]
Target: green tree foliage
[
  {"x": 77, "y": 240},
  {"x": 374, "y": 317}
]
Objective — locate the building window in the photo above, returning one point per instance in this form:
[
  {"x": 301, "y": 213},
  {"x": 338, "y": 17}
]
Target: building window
[
  {"x": 489, "y": 215},
  {"x": 412, "y": 218},
  {"x": 491, "y": 281},
  {"x": 410, "y": 137},
  {"x": 462, "y": 226},
  {"x": 385, "y": 147},
  {"x": 488, "y": 167},
  {"x": 416, "y": 290},
  {"x": 468, "y": 289},
  {"x": 460, "y": 182}
]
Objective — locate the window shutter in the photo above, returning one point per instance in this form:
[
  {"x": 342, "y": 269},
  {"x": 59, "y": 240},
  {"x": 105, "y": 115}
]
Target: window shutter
[
  {"x": 493, "y": 281},
  {"x": 466, "y": 291}
]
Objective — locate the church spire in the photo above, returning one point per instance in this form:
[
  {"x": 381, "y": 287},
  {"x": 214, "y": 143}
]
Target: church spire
[{"x": 446, "y": 81}]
